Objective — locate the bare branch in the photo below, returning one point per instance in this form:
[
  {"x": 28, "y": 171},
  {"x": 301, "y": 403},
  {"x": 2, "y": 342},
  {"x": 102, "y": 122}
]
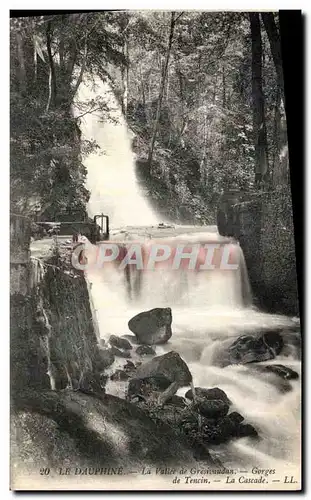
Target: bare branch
[{"x": 90, "y": 111}]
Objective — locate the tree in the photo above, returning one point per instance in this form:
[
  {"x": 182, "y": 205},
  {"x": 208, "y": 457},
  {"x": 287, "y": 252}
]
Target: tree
[
  {"x": 259, "y": 123},
  {"x": 162, "y": 85},
  {"x": 275, "y": 45},
  {"x": 201, "y": 96},
  {"x": 49, "y": 57}
]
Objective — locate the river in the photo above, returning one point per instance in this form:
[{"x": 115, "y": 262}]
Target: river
[{"x": 209, "y": 309}]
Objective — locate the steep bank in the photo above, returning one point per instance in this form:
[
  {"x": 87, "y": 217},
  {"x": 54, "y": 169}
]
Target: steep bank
[
  {"x": 60, "y": 414},
  {"x": 51, "y": 322},
  {"x": 263, "y": 224}
]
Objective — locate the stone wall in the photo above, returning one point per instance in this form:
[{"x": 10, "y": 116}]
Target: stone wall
[
  {"x": 263, "y": 224},
  {"x": 278, "y": 269}
]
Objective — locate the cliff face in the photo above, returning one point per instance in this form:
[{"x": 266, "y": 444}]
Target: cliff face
[
  {"x": 263, "y": 224},
  {"x": 53, "y": 340},
  {"x": 63, "y": 320}
]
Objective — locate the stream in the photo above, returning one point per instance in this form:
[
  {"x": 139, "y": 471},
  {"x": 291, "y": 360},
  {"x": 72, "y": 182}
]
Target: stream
[{"x": 210, "y": 309}]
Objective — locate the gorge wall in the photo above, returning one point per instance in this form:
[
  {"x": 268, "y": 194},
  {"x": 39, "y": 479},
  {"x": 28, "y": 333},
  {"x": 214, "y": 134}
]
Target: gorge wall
[
  {"x": 263, "y": 224},
  {"x": 53, "y": 341}
]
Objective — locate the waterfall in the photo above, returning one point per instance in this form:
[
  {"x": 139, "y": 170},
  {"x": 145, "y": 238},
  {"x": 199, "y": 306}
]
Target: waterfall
[
  {"x": 209, "y": 308},
  {"x": 110, "y": 169}
]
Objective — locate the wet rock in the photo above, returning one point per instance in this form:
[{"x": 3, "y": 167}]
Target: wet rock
[
  {"x": 249, "y": 349},
  {"x": 216, "y": 430},
  {"x": 234, "y": 418},
  {"x": 104, "y": 359},
  {"x": 145, "y": 387},
  {"x": 145, "y": 350},
  {"x": 121, "y": 354},
  {"x": 274, "y": 341},
  {"x": 222, "y": 431},
  {"x": 292, "y": 343},
  {"x": 120, "y": 343},
  {"x": 246, "y": 430},
  {"x": 282, "y": 371},
  {"x": 167, "y": 372},
  {"x": 212, "y": 430},
  {"x": 281, "y": 384},
  {"x": 152, "y": 327},
  {"x": 212, "y": 408},
  {"x": 210, "y": 394},
  {"x": 129, "y": 366},
  {"x": 120, "y": 375},
  {"x": 170, "y": 365},
  {"x": 228, "y": 427}
]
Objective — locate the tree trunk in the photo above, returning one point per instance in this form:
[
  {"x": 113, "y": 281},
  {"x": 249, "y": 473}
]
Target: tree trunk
[
  {"x": 275, "y": 45},
  {"x": 52, "y": 74},
  {"x": 276, "y": 141},
  {"x": 224, "y": 100},
  {"x": 259, "y": 125},
  {"x": 82, "y": 69},
  {"x": 21, "y": 61},
  {"x": 162, "y": 85},
  {"x": 215, "y": 89},
  {"x": 283, "y": 154},
  {"x": 203, "y": 160},
  {"x": 61, "y": 46},
  {"x": 125, "y": 77}
]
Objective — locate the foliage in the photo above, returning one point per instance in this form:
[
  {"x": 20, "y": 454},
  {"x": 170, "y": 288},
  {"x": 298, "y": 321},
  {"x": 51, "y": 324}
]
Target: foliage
[
  {"x": 194, "y": 107},
  {"x": 49, "y": 56},
  {"x": 205, "y": 143}
]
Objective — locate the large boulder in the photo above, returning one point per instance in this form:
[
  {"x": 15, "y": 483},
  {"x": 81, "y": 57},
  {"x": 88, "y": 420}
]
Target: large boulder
[
  {"x": 152, "y": 327},
  {"x": 163, "y": 373},
  {"x": 249, "y": 349},
  {"x": 170, "y": 366},
  {"x": 209, "y": 394},
  {"x": 282, "y": 371}
]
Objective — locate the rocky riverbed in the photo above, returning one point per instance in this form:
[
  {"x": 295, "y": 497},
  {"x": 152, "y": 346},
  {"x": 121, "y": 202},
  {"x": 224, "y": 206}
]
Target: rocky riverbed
[{"x": 131, "y": 368}]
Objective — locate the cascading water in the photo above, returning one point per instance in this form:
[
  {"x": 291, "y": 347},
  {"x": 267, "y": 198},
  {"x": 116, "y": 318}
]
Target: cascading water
[
  {"x": 110, "y": 179},
  {"x": 210, "y": 309}
]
